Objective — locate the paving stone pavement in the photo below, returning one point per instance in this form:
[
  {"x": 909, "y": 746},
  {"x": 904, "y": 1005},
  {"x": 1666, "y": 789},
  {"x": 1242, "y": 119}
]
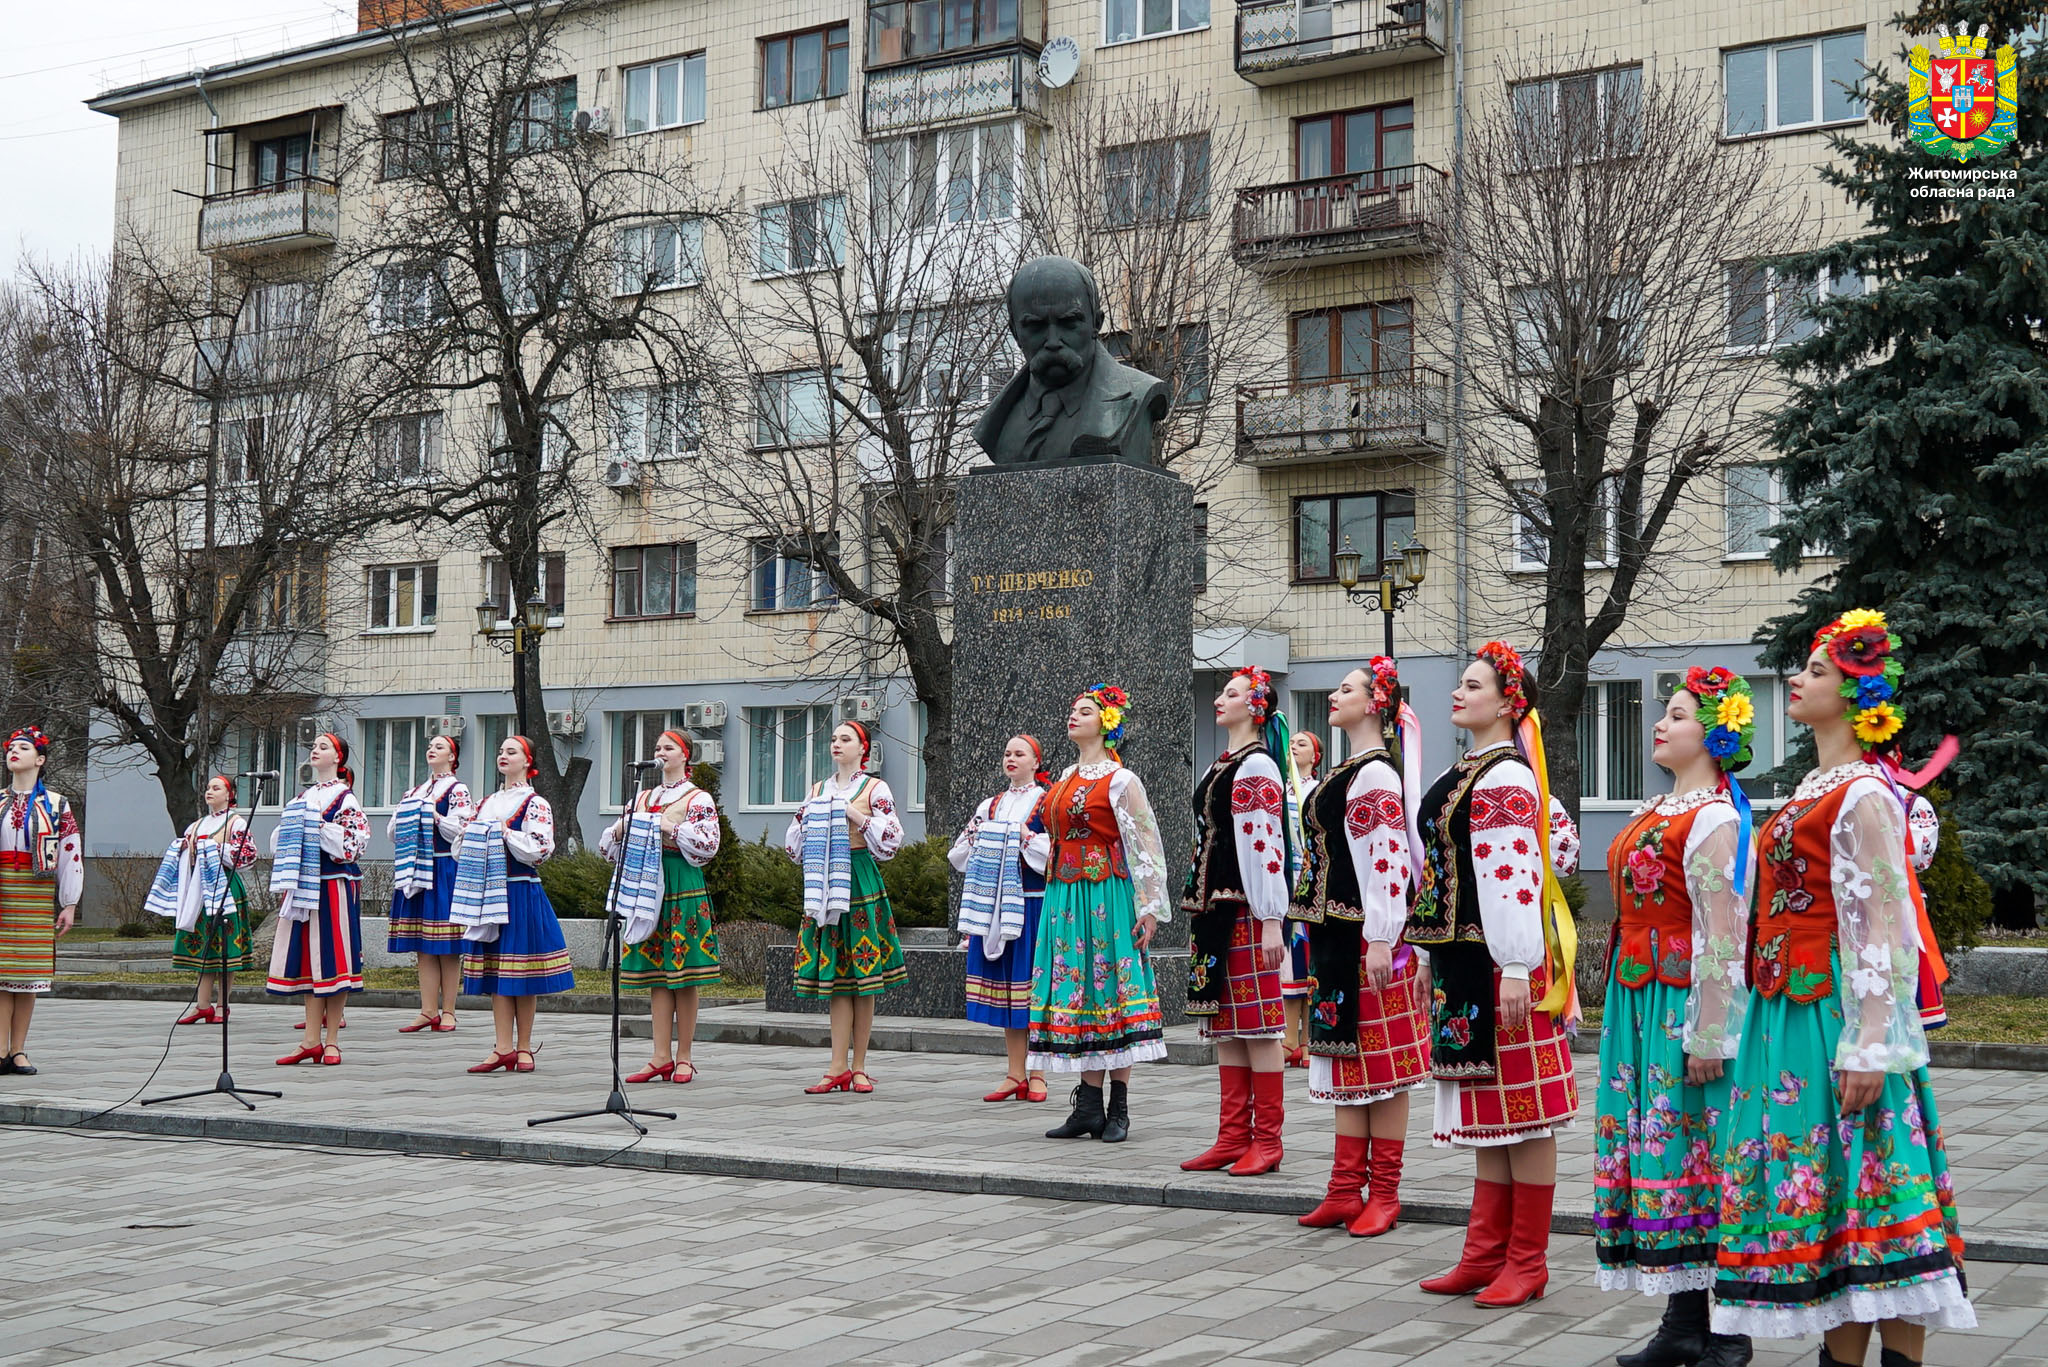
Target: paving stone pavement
[
  {"x": 926, "y": 1113},
  {"x": 127, "y": 1249}
]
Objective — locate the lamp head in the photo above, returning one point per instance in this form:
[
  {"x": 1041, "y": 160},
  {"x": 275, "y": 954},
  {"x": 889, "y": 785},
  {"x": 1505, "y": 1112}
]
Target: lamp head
[
  {"x": 535, "y": 613},
  {"x": 1415, "y": 560},
  {"x": 1347, "y": 565},
  {"x": 486, "y": 617}
]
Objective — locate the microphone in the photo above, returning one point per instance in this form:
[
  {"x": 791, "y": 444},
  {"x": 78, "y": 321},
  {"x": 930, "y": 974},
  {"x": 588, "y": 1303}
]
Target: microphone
[
  {"x": 643, "y": 764},
  {"x": 260, "y": 774}
]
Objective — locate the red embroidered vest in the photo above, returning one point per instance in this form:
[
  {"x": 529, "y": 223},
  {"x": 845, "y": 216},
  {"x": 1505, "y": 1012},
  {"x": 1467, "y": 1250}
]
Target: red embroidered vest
[
  {"x": 1793, "y": 946},
  {"x": 1087, "y": 845},
  {"x": 1653, "y": 927}
]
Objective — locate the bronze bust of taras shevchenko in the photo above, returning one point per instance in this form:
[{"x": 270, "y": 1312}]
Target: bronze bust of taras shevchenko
[{"x": 1072, "y": 401}]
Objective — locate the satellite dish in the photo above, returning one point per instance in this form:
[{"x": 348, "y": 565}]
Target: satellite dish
[{"x": 1058, "y": 63}]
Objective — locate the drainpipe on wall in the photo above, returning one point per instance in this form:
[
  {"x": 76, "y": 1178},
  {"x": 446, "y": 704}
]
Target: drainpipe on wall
[{"x": 1461, "y": 504}]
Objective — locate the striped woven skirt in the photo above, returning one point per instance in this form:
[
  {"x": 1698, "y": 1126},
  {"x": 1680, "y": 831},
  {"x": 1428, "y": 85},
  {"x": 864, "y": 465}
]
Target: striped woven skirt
[
  {"x": 999, "y": 989},
  {"x": 529, "y": 958},
  {"x": 419, "y": 920},
  {"x": 861, "y": 955},
  {"x": 683, "y": 950},
  {"x": 323, "y": 954},
  {"x": 28, "y": 925},
  {"x": 199, "y": 950}
]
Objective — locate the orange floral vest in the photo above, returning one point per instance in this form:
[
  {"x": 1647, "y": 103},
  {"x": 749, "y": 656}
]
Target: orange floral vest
[
  {"x": 1087, "y": 844},
  {"x": 1793, "y": 944},
  {"x": 1653, "y": 927}
]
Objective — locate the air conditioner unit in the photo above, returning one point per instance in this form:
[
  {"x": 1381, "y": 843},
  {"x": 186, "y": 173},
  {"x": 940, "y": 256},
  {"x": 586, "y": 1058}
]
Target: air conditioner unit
[
  {"x": 568, "y": 725},
  {"x": 305, "y": 731},
  {"x": 861, "y": 707},
  {"x": 704, "y": 716},
  {"x": 1668, "y": 681},
  {"x": 708, "y": 752},
  {"x": 305, "y": 776},
  {"x": 622, "y": 472},
  {"x": 596, "y": 121},
  {"x": 873, "y": 764},
  {"x": 444, "y": 726}
]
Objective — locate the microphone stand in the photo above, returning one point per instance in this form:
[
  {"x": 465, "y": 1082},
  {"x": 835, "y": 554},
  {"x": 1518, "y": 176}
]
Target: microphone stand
[
  {"x": 224, "y": 1085},
  {"x": 615, "y": 950}
]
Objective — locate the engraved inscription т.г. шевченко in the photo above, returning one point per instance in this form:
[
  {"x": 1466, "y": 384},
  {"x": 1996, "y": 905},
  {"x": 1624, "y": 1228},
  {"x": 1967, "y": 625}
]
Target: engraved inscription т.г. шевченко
[{"x": 1031, "y": 581}]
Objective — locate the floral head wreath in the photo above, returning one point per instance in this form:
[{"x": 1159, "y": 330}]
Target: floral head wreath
[
  {"x": 1507, "y": 663},
  {"x": 33, "y": 735},
  {"x": 1865, "y": 650},
  {"x": 1114, "y": 703},
  {"x": 1261, "y": 700},
  {"x": 1727, "y": 711},
  {"x": 1386, "y": 684}
]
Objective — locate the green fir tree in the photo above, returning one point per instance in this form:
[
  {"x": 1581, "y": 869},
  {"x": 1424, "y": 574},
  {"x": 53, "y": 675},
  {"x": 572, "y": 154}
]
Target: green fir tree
[{"x": 1916, "y": 444}]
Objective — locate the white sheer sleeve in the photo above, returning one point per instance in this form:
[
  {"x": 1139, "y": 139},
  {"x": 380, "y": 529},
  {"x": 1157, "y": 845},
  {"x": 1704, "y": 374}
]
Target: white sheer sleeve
[
  {"x": 1926, "y": 829},
  {"x": 1877, "y": 933},
  {"x": 1143, "y": 853},
  {"x": 461, "y": 807},
  {"x": 884, "y": 829},
  {"x": 793, "y": 838},
  {"x": 535, "y": 840},
  {"x": 1564, "y": 841},
  {"x": 1376, "y": 832},
  {"x": 1257, "y": 811},
  {"x": 696, "y": 836},
  {"x": 1507, "y": 861},
  {"x": 1717, "y": 1002}
]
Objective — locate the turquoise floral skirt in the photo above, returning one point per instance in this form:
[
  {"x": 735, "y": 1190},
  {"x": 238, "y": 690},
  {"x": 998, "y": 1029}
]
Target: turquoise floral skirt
[{"x": 1094, "y": 1001}]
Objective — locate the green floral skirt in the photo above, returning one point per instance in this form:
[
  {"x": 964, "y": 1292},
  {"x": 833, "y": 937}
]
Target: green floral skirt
[
  {"x": 860, "y": 956},
  {"x": 683, "y": 950},
  {"x": 198, "y": 950}
]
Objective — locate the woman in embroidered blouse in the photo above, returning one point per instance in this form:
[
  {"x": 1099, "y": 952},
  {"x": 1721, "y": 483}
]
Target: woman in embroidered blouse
[
  {"x": 1236, "y": 903},
  {"x": 1307, "y": 749},
  {"x": 436, "y": 810},
  {"x": 1369, "y": 1027},
  {"x": 1094, "y": 1001},
  {"x": 514, "y": 952},
  {"x": 1501, "y": 946},
  {"x": 1680, "y": 872},
  {"x": 319, "y": 947},
  {"x": 1000, "y": 909},
  {"x": 847, "y": 950},
  {"x": 42, "y": 874},
  {"x": 680, "y": 953},
  {"x": 1836, "y": 1206},
  {"x": 197, "y": 948}
]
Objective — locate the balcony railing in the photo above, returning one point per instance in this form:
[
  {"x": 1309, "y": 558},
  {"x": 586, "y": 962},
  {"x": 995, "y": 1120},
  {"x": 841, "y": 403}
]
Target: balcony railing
[
  {"x": 1333, "y": 219},
  {"x": 271, "y": 218},
  {"x": 946, "y": 90},
  {"x": 1288, "y": 40},
  {"x": 1311, "y": 422}
]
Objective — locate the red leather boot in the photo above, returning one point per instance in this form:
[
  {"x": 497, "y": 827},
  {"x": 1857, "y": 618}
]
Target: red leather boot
[
  {"x": 1486, "y": 1242},
  {"x": 1383, "y": 1206},
  {"x": 1233, "y": 1123},
  {"x": 1527, "y": 1270},
  {"x": 1269, "y": 1113},
  {"x": 1341, "y": 1203}
]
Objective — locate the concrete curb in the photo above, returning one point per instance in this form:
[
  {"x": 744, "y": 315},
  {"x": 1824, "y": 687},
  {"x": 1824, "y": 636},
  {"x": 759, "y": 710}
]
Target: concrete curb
[
  {"x": 574, "y": 1004},
  {"x": 939, "y": 1037},
  {"x": 1247, "y": 1197}
]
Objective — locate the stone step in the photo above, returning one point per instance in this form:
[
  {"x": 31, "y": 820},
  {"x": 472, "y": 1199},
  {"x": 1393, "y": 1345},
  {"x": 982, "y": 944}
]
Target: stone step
[
  {"x": 112, "y": 949},
  {"x": 70, "y": 964},
  {"x": 937, "y": 988}
]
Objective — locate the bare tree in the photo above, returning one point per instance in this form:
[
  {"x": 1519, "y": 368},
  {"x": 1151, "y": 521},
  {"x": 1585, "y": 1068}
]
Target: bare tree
[
  {"x": 1592, "y": 238},
  {"x": 512, "y": 267}
]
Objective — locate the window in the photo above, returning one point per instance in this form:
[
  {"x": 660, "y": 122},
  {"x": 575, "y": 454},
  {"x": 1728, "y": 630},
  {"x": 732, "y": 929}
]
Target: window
[
  {"x": 788, "y": 749},
  {"x": 1200, "y": 537},
  {"x": 919, "y": 777},
  {"x": 784, "y": 583},
  {"x": 1363, "y": 341},
  {"x": 394, "y": 759},
  {"x": 902, "y": 29},
  {"x": 1532, "y": 535},
  {"x": 1589, "y": 116},
  {"x": 958, "y": 176},
  {"x": 283, "y": 161},
  {"x": 541, "y": 116},
  {"x": 1776, "y": 737},
  {"x": 1124, "y": 20},
  {"x": 661, "y": 256},
  {"x": 933, "y": 369},
  {"x": 1374, "y": 524},
  {"x": 534, "y": 276},
  {"x": 1312, "y": 715},
  {"x": 1801, "y": 84},
  {"x": 1358, "y": 141},
  {"x": 555, "y": 442},
  {"x": 802, "y": 235},
  {"x": 792, "y": 408},
  {"x": 654, "y": 581},
  {"x": 1770, "y": 307},
  {"x": 407, "y": 449},
  {"x": 249, "y": 749},
  {"x": 498, "y": 585},
  {"x": 800, "y": 67},
  {"x": 1548, "y": 317},
  {"x": 417, "y": 140},
  {"x": 1611, "y": 726},
  {"x": 1151, "y": 181},
  {"x": 496, "y": 727},
  {"x": 408, "y": 294},
  {"x": 295, "y": 599},
  {"x": 404, "y": 597},
  {"x": 665, "y": 94},
  {"x": 657, "y": 422},
  {"x": 1186, "y": 360},
  {"x": 1753, "y": 500},
  {"x": 244, "y": 448},
  {"x": 633, "y": 735}
]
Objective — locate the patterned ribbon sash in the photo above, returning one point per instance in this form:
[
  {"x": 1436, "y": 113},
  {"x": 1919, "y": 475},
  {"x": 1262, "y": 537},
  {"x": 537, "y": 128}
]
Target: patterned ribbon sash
[
  {"x": 412, "y": 842},
  {"x": 296, "y": 871},
  {"x": 992, "y": 897},
  {"x": 638, "y": 900},
  {"x": 828, "y": 859},
  {"x": 479, "y": 905}
]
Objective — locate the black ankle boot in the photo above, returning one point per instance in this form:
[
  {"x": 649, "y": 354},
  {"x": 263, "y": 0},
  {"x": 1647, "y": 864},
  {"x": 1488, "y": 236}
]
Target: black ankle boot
[
  {"x": 1680, "y": 1338},
  {"x": 1117, "y": 1125},
  {"x": 1087, "y": 1117},
  {"x": 1892, "y": 1357},
  {"x": 1828, "y": 1359},
  {"x": 1726, "y": 1350}
]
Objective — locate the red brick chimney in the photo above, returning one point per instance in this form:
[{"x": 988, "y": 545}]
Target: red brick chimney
[{"x": 380, "y": 13}]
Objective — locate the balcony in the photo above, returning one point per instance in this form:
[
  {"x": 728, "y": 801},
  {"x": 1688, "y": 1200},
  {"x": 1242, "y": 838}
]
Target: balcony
[
  {"x": 1390, "y": 413},
  {"x": 1279, "y": 41},
  {"x": 987, "y": 83},
  {"x": 1335, "y": 219},
  {"x": 265, "y": 219}
]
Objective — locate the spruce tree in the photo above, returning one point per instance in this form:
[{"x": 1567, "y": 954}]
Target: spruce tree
[{"x": 1915, "y": 447}]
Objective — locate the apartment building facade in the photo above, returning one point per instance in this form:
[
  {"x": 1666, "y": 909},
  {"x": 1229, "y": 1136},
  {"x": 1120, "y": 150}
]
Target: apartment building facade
[{"x": 1352, "y": 110}]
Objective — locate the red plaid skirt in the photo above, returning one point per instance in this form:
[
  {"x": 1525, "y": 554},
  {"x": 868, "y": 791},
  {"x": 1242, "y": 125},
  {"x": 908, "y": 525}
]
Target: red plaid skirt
[
  {"x": 1532, "y": 1092},
  {"x": 1393, "y": 1045},
  {"x": 1251, "y": 1005}
]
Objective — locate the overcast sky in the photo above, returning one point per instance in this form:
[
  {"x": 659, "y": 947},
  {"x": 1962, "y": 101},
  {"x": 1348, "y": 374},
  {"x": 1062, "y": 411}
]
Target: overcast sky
[{"x": 57, "y": 156}]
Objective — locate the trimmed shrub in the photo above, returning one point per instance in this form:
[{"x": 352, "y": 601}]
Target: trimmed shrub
[
  {"x": 1958, "y": 898},
  {"x": 755, "y": 882},
  {"x": 917, "y": 880},
  {"x": 576, "y": 884}
]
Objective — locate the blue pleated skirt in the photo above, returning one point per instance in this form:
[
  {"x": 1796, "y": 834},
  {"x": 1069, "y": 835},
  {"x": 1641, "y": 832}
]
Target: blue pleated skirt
[{"x": 529, "y": 958}]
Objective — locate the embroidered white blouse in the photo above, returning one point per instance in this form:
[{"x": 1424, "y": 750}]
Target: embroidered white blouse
[
  {"x": 460, "y": 806},
  {"x": 1136, "y": 826},
  {"x": 1507, "y": 857},
  {"x": 1013, "y": 804},
  {"x": 535, "y": 840},
  {"x": 237, "y": 850},
  {"x": 14, "y": 839},
  {"x": 883, "y": 829},
  {"x": 695, "y": 837},
  {"x": 1717, "y": 1003},
  {"x": 348, "y": 835},
  {"x": 1376, "y": 834},
  {"x": 1258, "y": 811}
]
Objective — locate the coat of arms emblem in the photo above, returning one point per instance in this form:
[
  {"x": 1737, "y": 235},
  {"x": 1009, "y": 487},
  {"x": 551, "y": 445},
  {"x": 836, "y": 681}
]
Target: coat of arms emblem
[{"x": 1963, "y": 104}]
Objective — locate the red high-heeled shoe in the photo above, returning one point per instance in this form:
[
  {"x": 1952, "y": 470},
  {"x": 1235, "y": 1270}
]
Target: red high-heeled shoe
[
  {"x": 653, "y": 1072},
  {"x": 197, "y": 1015},
  {"x": 831, "y": 1082},
  {"x": 860, "y": 1082},
  {"x": 299, "y": 1055},
  {"x": 1012, "y": 1087},
  {"x": 495, "y": 1062},
  {"x": 330, "y": 1049},
  {"x": 423, "y": 1021},
  {"x": 522, "y": 1059}
]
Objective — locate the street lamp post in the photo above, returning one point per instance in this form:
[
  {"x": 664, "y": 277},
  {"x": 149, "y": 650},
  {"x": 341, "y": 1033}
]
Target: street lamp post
[
  {"x": 522, "y": 636},
  {"x": 1400, "y": 579}
]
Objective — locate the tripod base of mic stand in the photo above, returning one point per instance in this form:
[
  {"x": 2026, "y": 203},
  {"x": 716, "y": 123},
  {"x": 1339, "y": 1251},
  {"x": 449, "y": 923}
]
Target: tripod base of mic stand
[
  {"x": 224, "y": 1085},
  {"x": 615, "y": 1104}
]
